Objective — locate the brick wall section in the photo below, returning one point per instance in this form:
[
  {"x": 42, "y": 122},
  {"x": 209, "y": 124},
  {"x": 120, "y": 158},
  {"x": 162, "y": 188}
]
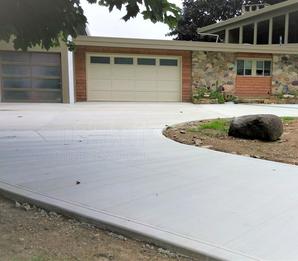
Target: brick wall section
[
  {"x": 254, "y": 55},
  {"x": 80, "y": 66},
  {"x": 253, "y": 86}
]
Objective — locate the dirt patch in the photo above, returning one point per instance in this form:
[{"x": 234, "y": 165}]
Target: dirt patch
[
  {"x": 212, "y": 134},
  {"x": 32, "y": 234}
]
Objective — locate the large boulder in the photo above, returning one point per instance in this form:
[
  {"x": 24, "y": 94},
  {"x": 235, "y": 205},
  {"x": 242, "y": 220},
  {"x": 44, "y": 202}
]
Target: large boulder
[{"x": 265, "y": 127}]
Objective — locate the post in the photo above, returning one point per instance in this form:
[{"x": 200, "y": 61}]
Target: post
[
  {"x": 227, "y": 36},
  {"x": 255, "y": 33},
  {"x": 241, "y": 34},
  {"x": 270, "y": 30},
  {"x": 287, "y": 24}
]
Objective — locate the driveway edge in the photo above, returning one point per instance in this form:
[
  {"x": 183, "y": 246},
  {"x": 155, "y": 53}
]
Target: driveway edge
[{"x": 129, "y": 228}]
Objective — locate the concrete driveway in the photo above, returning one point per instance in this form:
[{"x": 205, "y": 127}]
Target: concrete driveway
[{"x": 134, "y": 180}]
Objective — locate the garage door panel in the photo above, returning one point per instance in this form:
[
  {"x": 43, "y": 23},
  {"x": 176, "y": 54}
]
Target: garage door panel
[
  {"x": 168, "y": 72},
  {"x": 99, "y": 95},
  {"x": 146, "y": 72},
  {"x": 168, "y": 96},
  {"x": 123, "y": 72},
  {"x": 150, "y": 86},
  {"x": 146, "y": 96},
  {"x": 100, "y": 85},
  {"x": 123, "y": 96},
  {"x": 99, "y": 72},
  {"x": 172, "y": 86},
  {"x": 123, "y": 85},
  {"x": 31, "y": 96}
]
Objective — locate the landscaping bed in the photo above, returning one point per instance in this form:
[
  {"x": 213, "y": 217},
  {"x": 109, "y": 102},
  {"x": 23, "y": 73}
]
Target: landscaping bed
[{"x": 213, "y": 134}]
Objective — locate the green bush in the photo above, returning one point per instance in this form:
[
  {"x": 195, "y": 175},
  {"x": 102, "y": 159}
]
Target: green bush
[
  {"x": 204, "y": 92},
  {"x": 217, "y": 95}
]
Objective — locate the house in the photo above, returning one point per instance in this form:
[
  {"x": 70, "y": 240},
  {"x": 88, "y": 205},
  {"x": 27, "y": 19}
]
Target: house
[
  {"x": 258, "y": 74},
  {"x": 257, "y": 56}
]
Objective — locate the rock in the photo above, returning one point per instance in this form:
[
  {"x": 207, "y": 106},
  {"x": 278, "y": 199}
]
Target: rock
[
  {"x": 288, "y": 96},
  {"x": 198, "y": 142},
  {"x": 166, "y": 252},
  {"x": 18, "y": 205},
  {"x": 149, "y": 246},
  {"x": 26, "y": 206},
  {"x": 266, "y": 127},
  {"x": 207, "y": 147},
  {"x": 182, "y": 131},
  {"x": 120, "y": 237}
]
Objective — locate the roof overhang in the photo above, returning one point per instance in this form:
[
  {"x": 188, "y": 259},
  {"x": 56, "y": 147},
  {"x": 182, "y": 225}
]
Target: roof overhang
[
  {"x": 183, "y": 45},
  {"x": 250, "y": 15}
]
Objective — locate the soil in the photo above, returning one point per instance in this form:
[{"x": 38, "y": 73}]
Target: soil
[
  {"x": 284, "y": 150},
  {"x": 32, "y": 234}
]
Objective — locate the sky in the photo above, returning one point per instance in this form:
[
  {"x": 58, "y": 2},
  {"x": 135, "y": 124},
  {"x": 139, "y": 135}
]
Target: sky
[{"x": 103, "y": 23}]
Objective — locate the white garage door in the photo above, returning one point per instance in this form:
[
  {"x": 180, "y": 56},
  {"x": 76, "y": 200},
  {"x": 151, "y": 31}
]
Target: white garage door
[{"x": 133, "y": 78}]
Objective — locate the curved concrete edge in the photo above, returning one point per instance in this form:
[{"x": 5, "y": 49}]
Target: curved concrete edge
[{"x": 130, "y": 228}]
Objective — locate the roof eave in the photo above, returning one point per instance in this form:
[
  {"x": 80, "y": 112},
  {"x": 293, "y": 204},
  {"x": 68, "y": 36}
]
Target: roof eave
[
  {"x": 183, "y": 45},
  {"x": 248, "y": 15}
]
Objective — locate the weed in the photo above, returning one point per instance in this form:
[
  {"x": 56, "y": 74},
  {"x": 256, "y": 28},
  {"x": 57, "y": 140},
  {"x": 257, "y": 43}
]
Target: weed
[
  {"x": 287, "y": 119},
  {"x": 218, "y": 127}
]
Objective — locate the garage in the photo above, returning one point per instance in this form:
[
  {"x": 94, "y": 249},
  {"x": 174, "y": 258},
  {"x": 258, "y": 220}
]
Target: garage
[
  {"x": 30, "y": 77},
  {"x": 125, "y": 77}
]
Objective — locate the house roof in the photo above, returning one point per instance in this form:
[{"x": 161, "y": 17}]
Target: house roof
[
  {"x": 182, "y": 45},
  {"x": 249, "y": 15}
]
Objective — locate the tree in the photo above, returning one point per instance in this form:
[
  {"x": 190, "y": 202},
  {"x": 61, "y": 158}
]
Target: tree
[
  {"x": 45, "y": 22},
  {"x": 200, "y": 13}
]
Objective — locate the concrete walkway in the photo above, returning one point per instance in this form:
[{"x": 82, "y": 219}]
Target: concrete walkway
[{"x": 135, "y": 180}]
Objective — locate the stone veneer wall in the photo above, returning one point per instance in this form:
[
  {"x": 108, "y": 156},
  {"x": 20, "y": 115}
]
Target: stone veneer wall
[
  {"x": 285, "y": 74},
  {"x": 213, "y": 70}
]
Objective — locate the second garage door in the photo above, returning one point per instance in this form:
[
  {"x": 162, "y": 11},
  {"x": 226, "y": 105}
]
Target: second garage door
[
  {"x": 133, "y": 78},
  {"x": 30, "y": 77}
]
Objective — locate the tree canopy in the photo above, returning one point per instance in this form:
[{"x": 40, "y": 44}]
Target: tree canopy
[
  {"x": 45, "y": 22},
  {"x": 200, "y": 13}
]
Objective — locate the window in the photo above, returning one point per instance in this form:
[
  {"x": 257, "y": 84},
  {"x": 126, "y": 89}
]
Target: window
[
  {"x": 146, "y": 61},
  {"x": 16, "y": 70},
  {"x": 263, "y": 32},
  {"x": 244, "y": 67},
  {"x": 234, "y": 35},
  {"x": 46, "y": 71},
  {"x": 254, "y": 67},
  {"x": 101, "y": 60},
  {"x": 263, "y": 68},
  {"x": 278, "y": 34},
  {"x": 293, "y": 21},
  {"x": 248, "y": 34},
  {"x": 168, "y": 62},
  {"x": 123, "y": 60}
]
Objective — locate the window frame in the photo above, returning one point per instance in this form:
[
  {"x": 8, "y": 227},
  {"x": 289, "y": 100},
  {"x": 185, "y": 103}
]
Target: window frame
[
  {"x": 140, "y": 61},
  {"x": 117, "y": 60},
  {"x": 100, "y": 59},
  {"x": 161, "y": 60},
  {"x": 254, "y": 66},
  {"x": 244, "y": 67}
]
